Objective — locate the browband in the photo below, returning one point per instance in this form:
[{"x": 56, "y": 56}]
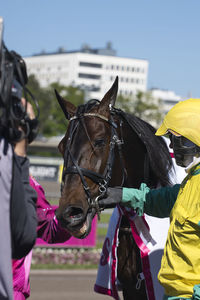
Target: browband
[{"x": 94, "y": 115}]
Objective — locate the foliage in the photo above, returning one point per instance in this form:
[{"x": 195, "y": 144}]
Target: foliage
[
  {"x": 52, "y": 119},
  {"x": 124, "y": 103},
  {"x": 142, "y": 105}
]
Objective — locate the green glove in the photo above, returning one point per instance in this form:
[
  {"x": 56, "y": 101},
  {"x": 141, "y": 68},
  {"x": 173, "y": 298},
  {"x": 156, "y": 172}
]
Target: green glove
[
  {"x": 196, "y": 292},
  {"x": 135, "y": 198}
]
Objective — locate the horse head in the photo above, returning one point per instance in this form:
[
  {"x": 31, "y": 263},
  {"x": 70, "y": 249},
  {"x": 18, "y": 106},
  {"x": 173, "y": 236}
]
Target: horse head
[{"x": 86, "y": 152}]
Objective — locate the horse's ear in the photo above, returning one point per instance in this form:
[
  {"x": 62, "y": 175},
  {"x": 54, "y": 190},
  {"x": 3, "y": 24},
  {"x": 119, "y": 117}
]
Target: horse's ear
[
  {"x": 68, "y": 108},
  {"x": 110, "y": 97}
]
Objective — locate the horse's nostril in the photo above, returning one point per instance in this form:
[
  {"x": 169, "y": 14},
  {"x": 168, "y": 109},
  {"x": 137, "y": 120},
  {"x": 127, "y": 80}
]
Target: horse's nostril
[
  {"x": 73, "y": 214},
  {"x": 76, "y": 213}
]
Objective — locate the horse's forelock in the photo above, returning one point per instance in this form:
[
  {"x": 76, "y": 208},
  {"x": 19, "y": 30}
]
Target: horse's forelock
[{"x": 83, "y": 108}]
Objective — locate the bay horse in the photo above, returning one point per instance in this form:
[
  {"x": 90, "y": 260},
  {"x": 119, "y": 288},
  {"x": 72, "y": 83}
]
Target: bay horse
[{"x": 104, "y": 146}]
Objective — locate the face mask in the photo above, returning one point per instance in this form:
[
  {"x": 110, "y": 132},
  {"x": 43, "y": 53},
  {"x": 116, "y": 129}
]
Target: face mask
[{"x": 184, "y": 150}]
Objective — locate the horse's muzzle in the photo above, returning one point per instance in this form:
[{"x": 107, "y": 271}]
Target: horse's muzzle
[{"x": 72, "y": 216}]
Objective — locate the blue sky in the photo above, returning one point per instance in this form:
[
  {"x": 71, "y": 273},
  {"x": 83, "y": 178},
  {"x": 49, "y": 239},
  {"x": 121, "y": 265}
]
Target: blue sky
[{"x": 166, "y": 33}]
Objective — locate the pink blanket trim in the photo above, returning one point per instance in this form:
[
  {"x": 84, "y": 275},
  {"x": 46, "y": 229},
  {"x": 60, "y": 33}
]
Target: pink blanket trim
[
  {"x": 144, "y": 252},
  {"x": 114, "y": 264},
  {"x": 103, "y": 290}
]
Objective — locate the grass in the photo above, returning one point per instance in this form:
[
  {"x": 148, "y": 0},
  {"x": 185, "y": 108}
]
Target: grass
[
  {"x": 105, "y": 218},
  {"x": 101, "y": 232},
  {"x": 53, "y": 201}
]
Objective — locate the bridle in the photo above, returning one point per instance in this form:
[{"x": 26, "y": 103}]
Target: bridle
[{"x": 101, "y": 179}]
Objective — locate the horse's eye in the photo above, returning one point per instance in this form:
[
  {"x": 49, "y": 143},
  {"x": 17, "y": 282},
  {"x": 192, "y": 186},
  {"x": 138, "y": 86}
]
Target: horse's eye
[{"x": 99, "y": 143}]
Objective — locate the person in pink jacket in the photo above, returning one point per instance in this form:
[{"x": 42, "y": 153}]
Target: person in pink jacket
[{"x": 49, "y": 230}]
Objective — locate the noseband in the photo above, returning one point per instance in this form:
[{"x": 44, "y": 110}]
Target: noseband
[{"x": 101, "y": 180}]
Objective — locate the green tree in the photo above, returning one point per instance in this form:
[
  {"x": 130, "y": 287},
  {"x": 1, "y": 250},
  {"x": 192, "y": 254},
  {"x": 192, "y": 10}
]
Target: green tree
[
  {"x": 142, "y": 105},
  {"x": 124, "y": 103},
  {"x": 52, "y": 119}
]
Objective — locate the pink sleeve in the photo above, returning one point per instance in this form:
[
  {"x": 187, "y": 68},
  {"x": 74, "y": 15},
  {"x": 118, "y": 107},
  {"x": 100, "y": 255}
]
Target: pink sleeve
[
  {"x": 21, "y": 270},
  {"x": 48, "y": 228}
]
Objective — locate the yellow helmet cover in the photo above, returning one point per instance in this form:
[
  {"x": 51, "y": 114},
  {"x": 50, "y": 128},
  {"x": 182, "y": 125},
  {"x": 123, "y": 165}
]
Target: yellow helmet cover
[{"x": 184, "y": 119}]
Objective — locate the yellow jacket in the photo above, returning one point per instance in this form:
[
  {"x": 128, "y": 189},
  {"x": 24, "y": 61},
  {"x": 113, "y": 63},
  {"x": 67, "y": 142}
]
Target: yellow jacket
[{"x": 180, "y": 266}]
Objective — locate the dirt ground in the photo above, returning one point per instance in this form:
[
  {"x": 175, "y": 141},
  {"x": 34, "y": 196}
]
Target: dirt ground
[{"x": 64, "y": 285}]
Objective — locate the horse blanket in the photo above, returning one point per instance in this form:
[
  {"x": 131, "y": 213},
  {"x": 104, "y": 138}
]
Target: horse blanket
[{"x": 148, "y": 238}]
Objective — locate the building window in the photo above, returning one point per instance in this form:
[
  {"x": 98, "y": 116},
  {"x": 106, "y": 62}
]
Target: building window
[
  {"x": 171, "y": 102},
  {"x": 89, "y": 76},
  {"x": 90, "y": 65}
]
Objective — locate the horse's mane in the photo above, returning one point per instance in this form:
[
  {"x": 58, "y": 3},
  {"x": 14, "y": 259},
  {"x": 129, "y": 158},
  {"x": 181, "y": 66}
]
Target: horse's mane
[{"x": 158, "y": 152}]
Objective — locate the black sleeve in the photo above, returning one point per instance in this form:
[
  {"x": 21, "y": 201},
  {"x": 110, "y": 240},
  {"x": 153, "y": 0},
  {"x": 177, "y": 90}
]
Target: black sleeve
[{"x": 23, "y": 212}]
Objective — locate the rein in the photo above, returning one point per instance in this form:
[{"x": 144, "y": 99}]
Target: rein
[{"x": 101, "y": 179}]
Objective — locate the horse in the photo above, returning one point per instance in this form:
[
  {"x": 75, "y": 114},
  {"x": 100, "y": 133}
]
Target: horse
[{"x": 104, "y": 146}]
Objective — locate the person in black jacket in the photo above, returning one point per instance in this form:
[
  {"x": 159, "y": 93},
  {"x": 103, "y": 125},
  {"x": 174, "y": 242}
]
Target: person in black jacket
[
  {"x": 23, "y": 199},
  {"x": 18, "y": 220}
]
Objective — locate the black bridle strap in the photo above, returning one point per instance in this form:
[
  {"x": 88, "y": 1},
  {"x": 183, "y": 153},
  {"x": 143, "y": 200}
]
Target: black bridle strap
[
  {"x": 85, "y": 186},
  {"x": 97, "y": 178},
  {"x": 101, "y": 180}
]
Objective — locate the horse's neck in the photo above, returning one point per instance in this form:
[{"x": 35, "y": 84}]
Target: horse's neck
[{"x": 133, "y": 158}]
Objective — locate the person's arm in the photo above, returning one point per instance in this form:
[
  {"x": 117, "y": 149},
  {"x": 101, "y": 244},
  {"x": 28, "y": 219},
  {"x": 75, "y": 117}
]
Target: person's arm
[
  {"x": 48, "y": 228},
  {"x": 155, "y": 202},
  {"x": 196, "y": 292},
  {"x": 23, "y": 213}
]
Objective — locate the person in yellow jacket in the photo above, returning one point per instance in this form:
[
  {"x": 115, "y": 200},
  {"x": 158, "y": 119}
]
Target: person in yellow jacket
[{"x": 180, "y": 266}]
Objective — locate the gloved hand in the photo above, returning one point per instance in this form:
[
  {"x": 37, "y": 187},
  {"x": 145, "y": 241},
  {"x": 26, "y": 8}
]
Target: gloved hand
[
  {"x": 129, "y": 197},
  {"x": 112, "y": 197},
  {"x": 196, "y": 292}
]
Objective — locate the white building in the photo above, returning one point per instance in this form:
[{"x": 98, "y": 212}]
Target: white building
[
  {"x": 168, "y": 98},
  {"x": 94, "y": 70}
]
